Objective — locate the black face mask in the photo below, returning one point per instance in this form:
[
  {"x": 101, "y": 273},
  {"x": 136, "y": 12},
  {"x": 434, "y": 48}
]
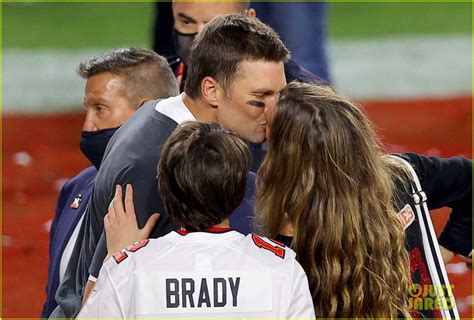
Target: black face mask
[
  {"x": 182, "y": 43},
  {"x": 93, "y": 144}
]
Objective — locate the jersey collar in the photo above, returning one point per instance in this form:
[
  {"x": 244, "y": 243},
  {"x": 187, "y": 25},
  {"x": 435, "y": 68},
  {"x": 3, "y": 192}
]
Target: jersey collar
[{"x": 184, "y": 232}]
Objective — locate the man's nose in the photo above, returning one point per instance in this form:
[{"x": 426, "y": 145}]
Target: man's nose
[
  {"x": 200, "y": 27},
  {"x": 89, "y": 124},
  {"x": 269, "y": 110}
]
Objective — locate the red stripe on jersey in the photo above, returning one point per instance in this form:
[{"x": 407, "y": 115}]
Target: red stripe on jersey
[
  {"x": 120, "y": 256},
  {"x": 137, "y": 245},
  {"x": 281, "y": 244},
  {"x": 184, "y": 232},
  {"x": 261, "y": 243}
]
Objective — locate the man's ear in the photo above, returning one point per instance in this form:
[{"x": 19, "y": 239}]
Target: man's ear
[
  {"x": 250, "y": 13},
  {"x": 209, "y": 90},
  {"x": 143, "y": 101}
]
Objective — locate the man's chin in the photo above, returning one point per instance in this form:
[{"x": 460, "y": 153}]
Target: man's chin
[{"x": 258, "y": 140}]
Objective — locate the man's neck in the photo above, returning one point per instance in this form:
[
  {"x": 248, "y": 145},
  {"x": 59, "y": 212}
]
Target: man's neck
[{"x": 200, "y": 109}]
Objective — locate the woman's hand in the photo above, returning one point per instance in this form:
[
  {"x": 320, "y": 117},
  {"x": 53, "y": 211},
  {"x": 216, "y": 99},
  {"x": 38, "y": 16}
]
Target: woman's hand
[
  {"x": 467, "y": 260},
  {"x": 120, "y": 224},
  {"x": 446, "y": 254}
]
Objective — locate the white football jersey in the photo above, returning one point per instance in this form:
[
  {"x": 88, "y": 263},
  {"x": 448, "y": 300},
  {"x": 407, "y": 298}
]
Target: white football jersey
[{"x": 219, "y": 273}]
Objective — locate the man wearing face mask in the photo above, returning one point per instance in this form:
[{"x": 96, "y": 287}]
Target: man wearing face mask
[
  {"x": 118, "y": 82},
  {"x": 188, "y": 19}
]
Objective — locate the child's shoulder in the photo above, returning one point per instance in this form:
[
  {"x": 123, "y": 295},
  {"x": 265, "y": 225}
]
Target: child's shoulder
[
  {"x": 136, "y": 255},
  {"x": 268, "y": 251}
]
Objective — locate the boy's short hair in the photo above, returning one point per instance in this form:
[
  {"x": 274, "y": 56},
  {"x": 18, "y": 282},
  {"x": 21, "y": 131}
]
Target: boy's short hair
[
  {"x": 224, "y": 43},
  {"x": 202, "y": 174}
]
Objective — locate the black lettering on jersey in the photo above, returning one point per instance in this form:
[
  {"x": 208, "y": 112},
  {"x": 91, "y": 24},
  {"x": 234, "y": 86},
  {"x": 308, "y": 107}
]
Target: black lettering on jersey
[
  {"x": 176, "y": 298},
  {"x": 234, "y": 288},
  {"x": 172, "y": 293},
  {"x": 188, "y": 290},
  {"x": 204, "y": 294},
  {"x": 222, "y": 292}
]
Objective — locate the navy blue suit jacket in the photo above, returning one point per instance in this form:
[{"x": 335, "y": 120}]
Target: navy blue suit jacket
[
  {"x": 242, "y": 218},
  {"x": 62, "y": 227}
]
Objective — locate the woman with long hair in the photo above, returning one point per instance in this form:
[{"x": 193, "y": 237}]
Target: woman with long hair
[
  {"x": 326, "y": 184},
  {"x": 358, "y": 218}
]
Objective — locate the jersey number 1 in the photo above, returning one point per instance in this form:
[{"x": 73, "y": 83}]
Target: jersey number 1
[{"x": 278, "y": 249}]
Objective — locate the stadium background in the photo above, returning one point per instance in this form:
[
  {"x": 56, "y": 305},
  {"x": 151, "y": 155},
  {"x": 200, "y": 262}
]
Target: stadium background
[{"x": 408, "y": 63}]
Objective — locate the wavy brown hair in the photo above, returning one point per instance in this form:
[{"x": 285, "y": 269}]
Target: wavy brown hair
[{"x": 324, "y": 173}]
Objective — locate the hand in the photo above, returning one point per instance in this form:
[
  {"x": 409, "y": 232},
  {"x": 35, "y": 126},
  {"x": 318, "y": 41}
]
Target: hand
[
  {"x": 121, "y": 228},
  {"x": 467, "y": 260},
  {"x": 446, "y": 254}
]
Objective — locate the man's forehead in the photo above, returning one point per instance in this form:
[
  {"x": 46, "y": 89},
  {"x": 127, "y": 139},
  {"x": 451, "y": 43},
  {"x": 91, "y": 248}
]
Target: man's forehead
[
  {"x": 106, "y": 81},
  {"x": 261, "y": 75},
  {"x": 105, "y": 86},
  {"x": 200, "y": 11}
]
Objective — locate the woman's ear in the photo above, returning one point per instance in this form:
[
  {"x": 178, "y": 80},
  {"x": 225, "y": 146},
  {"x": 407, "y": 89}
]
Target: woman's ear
[{"x": 250, "y": 13}]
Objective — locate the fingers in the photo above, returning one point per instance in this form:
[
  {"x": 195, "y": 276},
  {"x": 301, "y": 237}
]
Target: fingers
[
  {"x": 107, "y": 225},
  {"x": 117, "y": 203},
  {"x": 446, "y": 254},
  {"x": 106, "y": 221},
  {"x": 129, "y": 207},
  {"x": 467, "y": 260},
  {"x": 111, "y": 212},
  {"x": 145, "y": 232}
]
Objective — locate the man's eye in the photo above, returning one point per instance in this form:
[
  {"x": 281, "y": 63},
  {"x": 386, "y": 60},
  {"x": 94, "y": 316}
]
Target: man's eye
[
  {"x": 186, "y": 22},
  {"x": 262, "y": 95}
]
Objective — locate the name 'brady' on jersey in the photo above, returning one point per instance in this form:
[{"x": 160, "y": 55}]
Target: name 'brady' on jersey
[{"x": 217, "y": 273}]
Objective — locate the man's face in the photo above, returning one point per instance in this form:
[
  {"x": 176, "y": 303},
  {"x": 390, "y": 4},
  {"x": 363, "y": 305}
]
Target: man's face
[
  {"x": 191, "y": 17},
  {"x": 106, "y": 103},
  {"x": 255, "y": 88}
]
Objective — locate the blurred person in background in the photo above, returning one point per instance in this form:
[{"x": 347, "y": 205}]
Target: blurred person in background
[
  {"x": 302, "y": 26},
  {"x": 118, "y": 82}
]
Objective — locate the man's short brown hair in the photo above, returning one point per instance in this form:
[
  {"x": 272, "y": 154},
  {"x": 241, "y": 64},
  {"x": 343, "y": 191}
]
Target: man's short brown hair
[
  {"x": 224, "y": 43},
  {"x": 202, "y": 174},
  {"x": 145, "y": 73}
]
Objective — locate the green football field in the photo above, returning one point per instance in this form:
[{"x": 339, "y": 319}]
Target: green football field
[{"x": 105, "y": 25}]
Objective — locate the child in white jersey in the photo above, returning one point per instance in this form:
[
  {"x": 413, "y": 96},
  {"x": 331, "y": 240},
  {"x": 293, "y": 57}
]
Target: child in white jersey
[{"x": 206, "y": 269}]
